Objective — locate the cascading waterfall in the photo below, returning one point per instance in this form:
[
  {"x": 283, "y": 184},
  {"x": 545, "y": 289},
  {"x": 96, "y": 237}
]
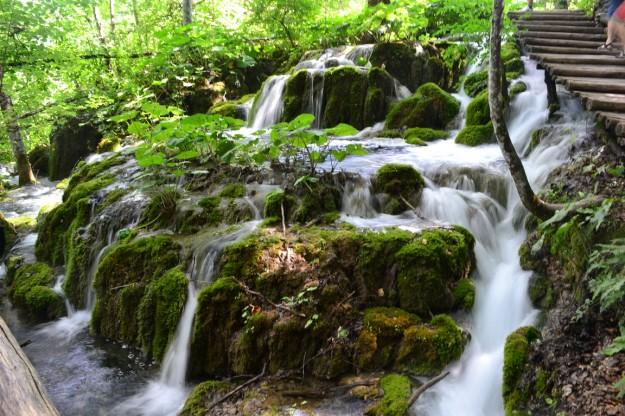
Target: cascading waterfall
[
  {"x": 165, "y": 396},
  {"x": 471, "y": 187},
  {"x": 267, "y": 109}
]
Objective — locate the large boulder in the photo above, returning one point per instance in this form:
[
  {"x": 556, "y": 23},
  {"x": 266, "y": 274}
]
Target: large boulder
[
  {"x": 30, "y": 290},
  {"x": 350, "y": 95},
  {"x": 39, "y": 158},
  {"x": 70, "y": 143},
  {"x": 411, "y": 64},
  {"x": 8, "y": 235},
  {"x": 430, "y": 106}
]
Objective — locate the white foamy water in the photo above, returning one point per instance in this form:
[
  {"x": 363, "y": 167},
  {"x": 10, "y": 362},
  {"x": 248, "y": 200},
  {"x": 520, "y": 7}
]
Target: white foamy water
[{"x": 471, "y": 187}]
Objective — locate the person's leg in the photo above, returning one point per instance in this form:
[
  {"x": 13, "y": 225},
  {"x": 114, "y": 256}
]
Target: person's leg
[{"x": 530, "y": 4}]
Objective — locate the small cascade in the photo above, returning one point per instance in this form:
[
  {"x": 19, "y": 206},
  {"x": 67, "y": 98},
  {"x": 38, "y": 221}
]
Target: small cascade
[
  {"x": 165, "y": 396},
  {"x": 358, "y": 200},
  {"x": 267, "y": 109}
]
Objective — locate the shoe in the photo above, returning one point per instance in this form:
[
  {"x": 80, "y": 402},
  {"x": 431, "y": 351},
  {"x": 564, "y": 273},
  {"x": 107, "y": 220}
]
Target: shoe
[
  {"x": 621, "y": 55},
  {"x": 606, "y": 46},
  {"x": 526, "y": 9}
]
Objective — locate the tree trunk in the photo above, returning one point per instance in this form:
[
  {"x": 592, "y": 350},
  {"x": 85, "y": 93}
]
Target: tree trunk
[
  {"x": 24, "y": 170},
  {"x": 562, "y": 4},
  {"x": 497, "y": 105},
  {"x": 187, "y": 12},
  {"x": 135, "y": 12},
  {"x": 98, "y": 25},
  {"x": 112, "y": 13}
]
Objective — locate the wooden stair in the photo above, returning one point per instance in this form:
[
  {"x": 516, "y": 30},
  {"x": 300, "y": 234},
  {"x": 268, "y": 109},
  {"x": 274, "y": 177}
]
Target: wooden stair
[{"x": 565, "y": 44}]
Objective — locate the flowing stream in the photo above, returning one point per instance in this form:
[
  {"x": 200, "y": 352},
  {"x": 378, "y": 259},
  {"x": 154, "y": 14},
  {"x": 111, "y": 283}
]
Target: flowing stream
[
  {"x": 166, "y": 395},
  {"x": 468, "y": 186}
]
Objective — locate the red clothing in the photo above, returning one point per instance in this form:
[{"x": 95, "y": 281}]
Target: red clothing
[{"x": 620, "y": 12}]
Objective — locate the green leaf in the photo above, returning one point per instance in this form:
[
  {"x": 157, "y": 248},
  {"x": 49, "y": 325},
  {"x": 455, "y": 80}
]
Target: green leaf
[
  {"x": 128, "y": 115},
  {"x": 187, "y": 155},
  {"x": 138, "y": 128},
  {"x": 342, "y": 129},
  {"x": 303, "y": 121}
]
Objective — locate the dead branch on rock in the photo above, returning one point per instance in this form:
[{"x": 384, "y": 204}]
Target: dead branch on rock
[
  {"x": 237, "y": 389},
  {"x": 418, "y": 392},
  {"x": 259, "y": 295}
]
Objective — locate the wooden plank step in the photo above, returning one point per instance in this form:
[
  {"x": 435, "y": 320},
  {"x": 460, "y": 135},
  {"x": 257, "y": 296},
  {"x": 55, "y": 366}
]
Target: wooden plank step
[
  {"x": 615, "y": 121},
  {"x": 561, "y": 17},
  {"x": 576, "y": 23},
  {"x": 568, "y": 50},
  {"x": 547, "y": 13},
  {"x": 594, "y": 101},
  {"x": 551, "y": 58},
  {"x": 562, "y": 35},
  {"x": 614, "y": 85},
  {"x": 591, "y": 71},
  {"x": 561, "y": 28},
  {"x": 581, "y": 44}
]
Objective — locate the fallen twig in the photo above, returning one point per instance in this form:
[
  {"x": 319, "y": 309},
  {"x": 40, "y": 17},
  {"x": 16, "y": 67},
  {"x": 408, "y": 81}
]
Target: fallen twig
[
  {"x": 238, "y": 389},
  {"x": 251, "y": 292},
  {"x": 418, "y": 392}
]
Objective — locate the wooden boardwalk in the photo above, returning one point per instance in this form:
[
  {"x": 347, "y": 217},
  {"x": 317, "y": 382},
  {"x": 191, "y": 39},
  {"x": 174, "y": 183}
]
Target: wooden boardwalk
[{"x": 565, "y": 43}]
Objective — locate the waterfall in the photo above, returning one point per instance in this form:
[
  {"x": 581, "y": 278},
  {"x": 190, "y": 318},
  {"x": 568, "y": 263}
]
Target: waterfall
[
  {"x": 267, "y": 109},
  {"x": 165, "y": 396},
  {"x": 357, "y": 199}
]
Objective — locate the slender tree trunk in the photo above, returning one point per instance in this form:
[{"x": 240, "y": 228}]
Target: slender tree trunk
[
  {"x": 187, "y": 12},
  {"x": 24, "y": 170},
  {"x": 112, "y": 13},
  {"x": 497, "y": 105},
  {"x": 135, "y": 12},
  {"x": 98, "y": 24}
]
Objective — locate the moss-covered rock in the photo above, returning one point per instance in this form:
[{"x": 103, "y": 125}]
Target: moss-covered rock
[
  {"x": 410, "y": 63},
  {"x": 430, "y": 106},
  {"x": 417, "y": 135},
  {"x": 71, "y": 141},
  {"x": 8, "y": 235},
  {"x": 12, "y": 263},
  {"x": 510, "y": 51},
  {"x": 202, "y": 396},
  {"x": 517, "y": 88},
  {"x": 478, "y": 111},
  {"x": 427, "y": 349},
  {"x": 109, "y": 144},
  {"x": 514, "y": 66},
  {"x": 31, "y": 292},
  {"x": 39, "y": 158},
  {"x": 476, "y": 135},
  {"x": 294, "y": 95},
  {"x": 423, "y": 289},
  {"x": 161, "y": 210},
  {"x": 233, "y": 190},
  {"x": 159, "y": 312},
  {"x": 218, "y": 318},
  {"x": 398, "y": 181},
  {"x": 395, "y": 402},
  {"x": 541, "y": 292},
  {"x": 476, "y": 83},
  {"x": 516, "y": 352},
  {"x": 345, "y": 90},
  {"x": 465, "y": 294},
  {"x": 125, "y": 274}
]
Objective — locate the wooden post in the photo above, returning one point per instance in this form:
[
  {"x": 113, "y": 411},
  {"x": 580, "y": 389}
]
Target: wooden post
[
  {"x": 21, "y": 391},
  {"x": 552, "y": 95}
]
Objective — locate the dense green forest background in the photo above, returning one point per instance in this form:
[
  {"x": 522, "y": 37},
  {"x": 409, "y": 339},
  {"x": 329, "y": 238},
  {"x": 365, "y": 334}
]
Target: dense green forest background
[{"x": 104, "y": 58}]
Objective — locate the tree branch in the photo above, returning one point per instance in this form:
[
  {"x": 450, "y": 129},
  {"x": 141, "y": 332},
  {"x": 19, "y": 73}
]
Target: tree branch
[
  {"x": 418, "y": 392},
  {"x": 254, "y": 293}
]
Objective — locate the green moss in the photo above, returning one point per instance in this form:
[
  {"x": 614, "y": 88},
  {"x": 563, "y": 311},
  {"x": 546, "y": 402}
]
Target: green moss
[
  {"x": 12, "y": 263},
  {"x": 275, "y": 201},
  {"x": 251, "y": 345},
  {"x": 9, "y": 235},
  {"x": 109, "y": 144},
  {"x": 397, "y": 391},
  {"x": 391, "y": 133},
  {"x": 159, "y": 312},
  {"x": 397, "y": 179},
  {"x": 430, "y": 106},
  {"x": 79, "y": 259},
  {"x": 427, "y": 349},
  {"x": 202, "y": 396},
  {"x": 228, "y": 109},
  {"x": 476, "y": 83},
  {"x": 217, "y": 319},
  {"x": 541, "y": 292},
  {"x": 421, "y": 134},
  {"x": 429, "y": 268},
  {"x": 345, "y": 91},
  {"x": 518, "y": 88},
  {"x": 294, "y": 94},
  {"x": 478, "y": 111},
  {"x": 23, "y": 224},
  {"x": 514, "y": 66},
  {"x": 30, "y": 291},
  {"x": 122, "y": 277},
  {"x": 161, "y": 210},
  {"x": 509, "y": 51},
  {"x": 516, "y": 353},
  {"x": 476, "y": 135},
  {"x": 89, "y": 172},
  {"x": 211, "y": 213},
  {"x": 389, "y": 321},
  {"x": 315, "y": 202},
  {"x": 233, "y": 190},
  {"x": 465, "y": 294}
]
